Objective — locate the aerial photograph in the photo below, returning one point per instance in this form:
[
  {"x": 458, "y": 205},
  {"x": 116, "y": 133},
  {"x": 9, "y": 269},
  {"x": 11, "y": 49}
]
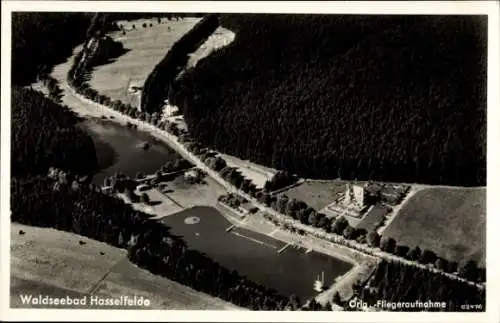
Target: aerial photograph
[{"x": 248, "y": 161}]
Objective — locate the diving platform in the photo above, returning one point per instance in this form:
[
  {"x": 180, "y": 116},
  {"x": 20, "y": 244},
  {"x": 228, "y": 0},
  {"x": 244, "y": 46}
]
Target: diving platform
[
  {"x": 231, "y": 227},
  {"x": 284, "y": 248}
]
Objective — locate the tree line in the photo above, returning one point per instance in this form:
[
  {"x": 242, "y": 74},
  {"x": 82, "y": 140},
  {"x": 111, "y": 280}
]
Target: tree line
[
  {"x": 158, "y": 82},
  {"x": 299, "y": 210},
  {"x": 468, "y": 269},
  {"x": 384, "y": 98},
  {"x": 396, "y": 282},
  {"x": 104, "y": 22},
  {"x": 41, "y": 40}
]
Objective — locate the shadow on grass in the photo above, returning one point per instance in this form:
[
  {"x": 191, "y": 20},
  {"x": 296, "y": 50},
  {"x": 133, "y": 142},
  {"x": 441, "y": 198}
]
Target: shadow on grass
[{"x": 112, "y": 58}]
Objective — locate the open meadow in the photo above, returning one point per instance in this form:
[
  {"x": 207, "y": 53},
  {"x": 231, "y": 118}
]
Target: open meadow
[
  {"x": 147, "y": 46},
  {"x": 189, "y": 195},
  {"x": 448, "y": 221},
  {"x": 317, "y": 194},
  {"x": 257, "y": 173},
  {"x": 77, "y": 266}
]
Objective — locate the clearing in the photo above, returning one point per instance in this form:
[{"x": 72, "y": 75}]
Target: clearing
[
  {"x": 177, "y": 195},
  {"x": 220, "y": 38},
  {"x": 189, "y": 195},
  {"x": 317, "y": 194},
  {"x": 147, "y": 46},
  {"x": 160, "y": 205},
  {"x": 448, "y": 221},
  {"x": 257, "y": 173},
  {"x": 93, "y": 268}
]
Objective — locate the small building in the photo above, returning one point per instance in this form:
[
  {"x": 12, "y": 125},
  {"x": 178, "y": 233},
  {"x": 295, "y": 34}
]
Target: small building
[
  {"x": 170, "y": 110},
  {"x": 354, "y": 195},
  {"x": 192, "y": 175}
]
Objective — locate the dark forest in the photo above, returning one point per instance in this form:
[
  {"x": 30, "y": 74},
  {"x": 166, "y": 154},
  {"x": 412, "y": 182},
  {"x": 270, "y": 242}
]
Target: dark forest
[
  {"x": 45, "y": 134},
  {"x": 396, "y": 282},
  {"x": 40, "y": 40},
  {"x": 388, "y": 98}
]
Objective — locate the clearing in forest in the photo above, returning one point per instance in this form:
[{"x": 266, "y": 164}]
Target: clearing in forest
[
  {"x": 257, "y": 173},
  {"x": 449, "y": 221},
  {"x": 317, "y": 194}
]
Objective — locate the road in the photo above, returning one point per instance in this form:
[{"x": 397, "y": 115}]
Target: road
[{"x": 415, "y": 185}]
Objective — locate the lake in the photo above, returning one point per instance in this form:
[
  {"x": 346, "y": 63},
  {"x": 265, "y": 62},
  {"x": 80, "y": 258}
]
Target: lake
[
  {"x": 204, "y": 229},
  {"x": 252, "y": 254},
  {"x": 118, "y": 149}
]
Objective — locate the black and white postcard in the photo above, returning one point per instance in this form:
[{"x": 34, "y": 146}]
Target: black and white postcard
[{"x": 253, "y": 161}]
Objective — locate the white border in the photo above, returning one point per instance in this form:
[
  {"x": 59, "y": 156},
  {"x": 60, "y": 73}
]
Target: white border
[{"x": 491, "y": 8}]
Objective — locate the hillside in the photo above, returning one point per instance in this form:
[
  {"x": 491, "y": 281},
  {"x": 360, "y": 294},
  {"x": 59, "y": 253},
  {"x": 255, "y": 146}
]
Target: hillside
[
  {"x": 44, "y": 135},
  {"x": 107, "y": 272},
  {"x": 382, "y": 98},
  {"x": 454, "y": 222}
]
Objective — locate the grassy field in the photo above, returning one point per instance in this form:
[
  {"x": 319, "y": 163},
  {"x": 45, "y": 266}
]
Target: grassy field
[
  {"x": 147, "y": 47},
  {"x": 317, "y": 194},
  {"x": 178, "y": 196},
  {"x": 257, "y": 173},
  {"x": 160, "y": 204},
  {"x": 189, "y": 195},
  {"x": 50, "y": 262},
  {"x": 450, "y": 222}
]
